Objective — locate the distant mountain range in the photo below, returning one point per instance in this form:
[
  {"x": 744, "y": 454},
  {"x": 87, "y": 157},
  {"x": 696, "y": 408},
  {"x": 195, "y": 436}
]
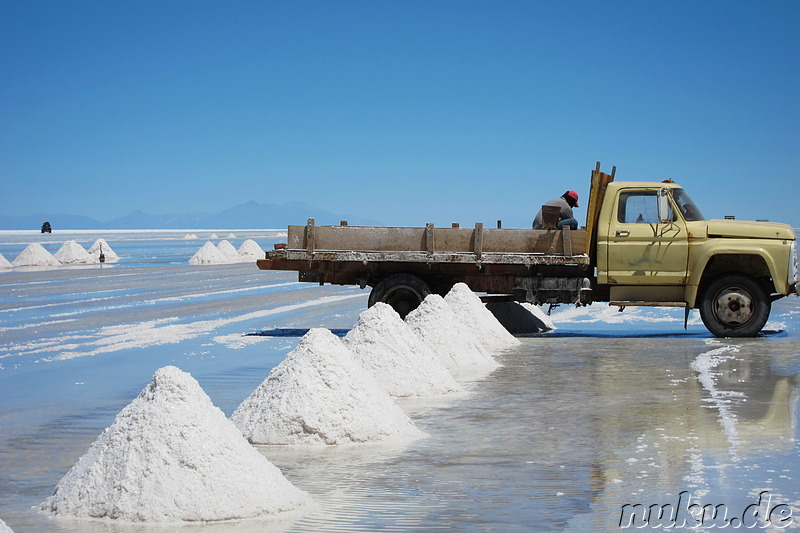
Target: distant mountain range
[{"x": 248, "y": 215}]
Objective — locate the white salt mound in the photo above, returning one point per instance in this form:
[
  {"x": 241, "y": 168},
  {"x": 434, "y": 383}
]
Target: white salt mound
[
  {"x": 398, "y": 359},
  {"x": 230, "y": 236},
  {"x": 249, "y": 250},
  {"x": 72, "y": 253},
  {"x": 172, "y": 456},
  {"x": 470, "y": 310},
  {"x": 190, "y": 237},
  {"x": 4, "y": 528},
  {"x": 228, "y": 251},
  {"x": 538, "y": 313},
  {"x": 213, "y": 236},
  {"x": 101, "y": 245},
  {"x": 4, "y": 263},
  {"x": 35, "y": 255},
  {"x": 450, "y": 339},
  {"x": 320, "y": 395},
  {"x": 208, "y": 254}
]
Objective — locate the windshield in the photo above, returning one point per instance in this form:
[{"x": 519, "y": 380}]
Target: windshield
[{"x": 686, "y": 205}]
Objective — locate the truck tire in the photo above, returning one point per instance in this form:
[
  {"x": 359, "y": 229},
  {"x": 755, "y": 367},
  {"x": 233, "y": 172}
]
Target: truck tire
[
  {"x": 404, "y": 292},
  {"x": 735, "y": 305}
]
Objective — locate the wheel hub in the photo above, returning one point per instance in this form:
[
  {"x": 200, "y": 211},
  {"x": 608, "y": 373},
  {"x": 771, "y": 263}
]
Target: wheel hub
[{"x": 734, "y": 307}]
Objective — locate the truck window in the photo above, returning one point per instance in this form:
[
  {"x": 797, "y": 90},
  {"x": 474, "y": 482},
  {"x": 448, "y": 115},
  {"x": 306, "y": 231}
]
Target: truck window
[
  {"x": 686, "y": 205},
  {"x": 638, "y": 207}
]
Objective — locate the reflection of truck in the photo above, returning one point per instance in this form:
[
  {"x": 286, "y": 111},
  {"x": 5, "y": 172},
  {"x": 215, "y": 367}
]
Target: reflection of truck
[{"x": 644, "y": 244}]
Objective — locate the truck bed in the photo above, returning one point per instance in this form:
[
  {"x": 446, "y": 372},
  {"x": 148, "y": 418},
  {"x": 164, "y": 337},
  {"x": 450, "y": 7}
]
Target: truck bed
[{"x": 487, "y": 259}]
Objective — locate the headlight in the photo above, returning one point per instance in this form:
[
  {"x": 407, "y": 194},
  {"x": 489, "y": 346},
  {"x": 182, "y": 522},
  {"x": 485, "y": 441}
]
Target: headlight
[{"x": 794, "y": 267}]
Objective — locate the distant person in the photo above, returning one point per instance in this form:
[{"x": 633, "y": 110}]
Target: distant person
[{"x": 566, "y": 202}]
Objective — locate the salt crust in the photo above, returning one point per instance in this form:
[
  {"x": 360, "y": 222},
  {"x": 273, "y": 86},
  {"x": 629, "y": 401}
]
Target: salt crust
[
  {"x": 4, "y": 528},
  {"x": 35, "y": 255},
  {"x": 228, "y": 251},
  {"x": 469, "y": 310},
  {"x": 101, "y": 245},
  {"x": 4, "y": 263},
  {"x": 450, "y": 339},
  {"x": 250, "y": 250},
  {"x": 73, "y": 253},
  {"x": 402, "y": 364},
  {"x": 172, "y": 456},
  {"x": 208, "y": 254},
  {"x": 320, "y": 395}
]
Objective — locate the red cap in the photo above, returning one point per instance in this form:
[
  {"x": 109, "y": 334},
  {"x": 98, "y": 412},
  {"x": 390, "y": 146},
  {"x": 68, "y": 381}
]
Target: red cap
[{"x": 574, "y": 196}]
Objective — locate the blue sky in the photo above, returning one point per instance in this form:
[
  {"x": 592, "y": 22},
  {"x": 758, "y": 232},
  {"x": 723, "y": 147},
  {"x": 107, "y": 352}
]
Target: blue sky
[{"x": 404, "y": 112}]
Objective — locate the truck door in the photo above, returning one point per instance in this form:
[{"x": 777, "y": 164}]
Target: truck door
[{"x": 641, "y": 250}]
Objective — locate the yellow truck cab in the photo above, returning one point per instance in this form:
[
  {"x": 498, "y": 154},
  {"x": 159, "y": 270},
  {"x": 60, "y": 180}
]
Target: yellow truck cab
[{"x": 655, "y": 247}]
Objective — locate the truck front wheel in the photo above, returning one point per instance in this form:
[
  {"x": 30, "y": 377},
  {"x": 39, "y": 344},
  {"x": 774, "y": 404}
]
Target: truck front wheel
[
  {"x": 735, "y": 305},
  {"x": 404, "y": 292}
]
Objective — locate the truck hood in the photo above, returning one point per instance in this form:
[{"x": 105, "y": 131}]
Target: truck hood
[{"x": 747, "y": 229}]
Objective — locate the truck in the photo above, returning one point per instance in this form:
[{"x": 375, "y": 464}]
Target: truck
[{"x": 644, "y": 244}]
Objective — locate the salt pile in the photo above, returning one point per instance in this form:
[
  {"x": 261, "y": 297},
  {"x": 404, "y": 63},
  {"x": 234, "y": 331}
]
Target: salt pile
[
  {"x": 539, "y": 314},
  {"x": 208, "y": 254},
  {"x": 213, "y": 236},
  {"x": 172, "y": 456},
  {"x": 469, "y": 309},
  {"x": 190, "y": 237},
  {"x": 398, "y": 359},
  {"x": 35, "y": 255},
  {"x": 320, "y": 395},
  {"x": 73, "y": 253},
  {"x": 250, "y": 250},
  {"x": 450, "y": 339},
  {"x": 4, "y": 528},
  {"x": 100, "y": 245},
  {"x": 4, "y": 263},
  {"x": 230, "y": 236},
  {"x": 228, "y": 251}
]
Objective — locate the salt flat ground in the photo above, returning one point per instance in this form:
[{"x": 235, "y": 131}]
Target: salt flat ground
[{"x": 609, "y": 409}]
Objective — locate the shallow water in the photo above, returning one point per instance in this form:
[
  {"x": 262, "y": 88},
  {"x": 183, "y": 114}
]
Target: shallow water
[{"x": 608, "y": 410}]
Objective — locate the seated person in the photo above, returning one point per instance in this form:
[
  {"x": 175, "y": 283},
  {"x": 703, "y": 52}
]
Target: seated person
[{"x": 566, "y": 202}]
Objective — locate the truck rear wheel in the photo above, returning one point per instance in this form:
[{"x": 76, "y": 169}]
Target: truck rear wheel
[
  {"x": 404, "y": 292},
  {"x": 735, "y": 305}
]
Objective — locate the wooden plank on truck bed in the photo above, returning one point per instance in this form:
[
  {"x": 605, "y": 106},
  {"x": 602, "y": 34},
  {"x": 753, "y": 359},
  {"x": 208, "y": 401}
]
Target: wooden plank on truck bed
[{"x": 458, "y": 240}]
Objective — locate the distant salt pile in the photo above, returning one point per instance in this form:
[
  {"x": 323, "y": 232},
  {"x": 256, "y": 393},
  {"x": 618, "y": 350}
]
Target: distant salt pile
[
  {"x": 230, "y": 236},
  {"x": 398, "y": 359},
  {"x": 208, "y": 254},
  {"x": 190, "y": 237},
  {"x": 4, "y": 263},
  {"x": 470, "y": 310},
  {"x": 228, "y": 251},
  {"x": 72, "y": 253},
  {"x": 320, "y": 395},
  {"x": 249, "y": 250},
  {"x": 100, "y": 245},
  {"x": 450, "y": 339},
  {"x": 35, "y": 255},
  {"x": 213, "y": 236},
  {"x": 172, "y": 456}
]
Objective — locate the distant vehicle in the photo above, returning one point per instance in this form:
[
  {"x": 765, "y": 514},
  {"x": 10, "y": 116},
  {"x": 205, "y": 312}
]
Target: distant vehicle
[
  {"x": 46, "y": 228},
  {"x": 645, "y": 244}
]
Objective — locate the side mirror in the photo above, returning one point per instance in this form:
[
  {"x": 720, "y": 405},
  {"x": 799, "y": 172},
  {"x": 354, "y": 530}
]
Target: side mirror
[{"x": 664, "y": 211}]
